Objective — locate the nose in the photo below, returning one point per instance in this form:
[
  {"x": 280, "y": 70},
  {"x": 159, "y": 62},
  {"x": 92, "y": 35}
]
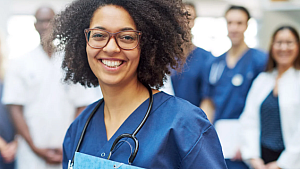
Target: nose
[
  {"x": 284, "y": 46},
  {"x": 111, "y": 46}
]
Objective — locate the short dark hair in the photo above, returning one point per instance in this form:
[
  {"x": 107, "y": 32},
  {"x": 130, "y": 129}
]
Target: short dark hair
[
  {"x": 271, "y": 61},
  {"x": 241, "y": 8},
  {"x": 164, "y": 28}
]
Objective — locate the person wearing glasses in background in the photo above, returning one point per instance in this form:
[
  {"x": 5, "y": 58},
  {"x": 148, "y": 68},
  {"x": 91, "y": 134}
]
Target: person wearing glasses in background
[
  {"x": 230, "y": 77},
  {"x": 271, "y": 119},
  {"x": 188, "y": 83},
  {"x": 126, "y": 47},
  {"x": 42, "y": 107}
]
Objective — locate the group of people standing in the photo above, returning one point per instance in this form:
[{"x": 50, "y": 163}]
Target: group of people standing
[
  {"x": 127, "y": 47},
  {"x": 267, "y": 84}
]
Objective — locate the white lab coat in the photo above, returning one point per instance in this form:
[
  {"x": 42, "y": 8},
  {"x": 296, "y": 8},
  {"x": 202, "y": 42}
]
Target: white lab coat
[
  {"x": 289, "y": 105},
  {"x": 49, "y": 105}
]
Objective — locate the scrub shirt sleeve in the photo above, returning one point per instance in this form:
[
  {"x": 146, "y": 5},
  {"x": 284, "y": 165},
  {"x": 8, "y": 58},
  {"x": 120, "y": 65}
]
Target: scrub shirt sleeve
[
  {"x": 261, "y": 64},
  {"x": 14, "y": 91},
  {"x": 206, "y": 87},
  {"x": 206, "y": 153},
  {"x": 82, "y": 96},
  {"x": 67, "y": 150}
]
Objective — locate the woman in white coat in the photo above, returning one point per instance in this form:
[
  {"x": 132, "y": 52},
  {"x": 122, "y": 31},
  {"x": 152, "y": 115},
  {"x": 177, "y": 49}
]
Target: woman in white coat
[{"x": 271, "y": 118}]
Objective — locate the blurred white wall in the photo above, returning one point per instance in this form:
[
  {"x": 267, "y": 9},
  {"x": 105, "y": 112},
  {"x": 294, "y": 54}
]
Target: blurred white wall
[
  {"x": 275, "y": 18},
  {"x": 268, "y": 16}
]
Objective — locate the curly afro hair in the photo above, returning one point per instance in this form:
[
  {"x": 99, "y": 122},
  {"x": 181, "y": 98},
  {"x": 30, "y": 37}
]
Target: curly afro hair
[{"x": 165, "y": 35}]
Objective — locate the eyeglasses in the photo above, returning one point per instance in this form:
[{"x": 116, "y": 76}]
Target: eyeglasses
[
  {"x": 126, "y": 40},
  {"x": 289, "y": 44}
]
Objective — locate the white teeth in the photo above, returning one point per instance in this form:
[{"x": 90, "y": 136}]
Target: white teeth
[{"x": 112, "y": 63}]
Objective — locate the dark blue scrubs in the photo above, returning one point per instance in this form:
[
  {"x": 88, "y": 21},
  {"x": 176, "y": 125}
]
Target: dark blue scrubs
[
  {"x": 177, "y": 134},
  {"x": 229, "y": 99},
  {"x": 188, "y": 83},
  {"x": 7, "y": 131}
]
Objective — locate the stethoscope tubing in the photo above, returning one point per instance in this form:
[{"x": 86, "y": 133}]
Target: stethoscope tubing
[{"x": 125, "y": 135}]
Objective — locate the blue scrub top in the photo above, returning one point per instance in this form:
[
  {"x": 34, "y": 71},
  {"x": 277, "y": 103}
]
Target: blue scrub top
[
  {"x": 229, "y": 100},
  {"x": 188, "y": 83},
  {"x": 177, "y": 134}
]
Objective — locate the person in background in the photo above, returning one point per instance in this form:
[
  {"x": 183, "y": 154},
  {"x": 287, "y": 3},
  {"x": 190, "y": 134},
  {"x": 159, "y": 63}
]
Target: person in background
[
  {"x": 230, "y": 77},
  {"x": 42, "y": 107},
  {"x": 8, "y": 143},
  {"x": 188, "y": 83},
  {"x": 127, "y": 47},
  {"x": 271, "y": 119}
]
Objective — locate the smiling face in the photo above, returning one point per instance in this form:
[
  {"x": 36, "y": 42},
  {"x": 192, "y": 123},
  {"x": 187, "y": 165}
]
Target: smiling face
[
  {"x": 111, "y": 64},
  {"x": 285, "y": 48},
  {"x": 237, "y": 23}
]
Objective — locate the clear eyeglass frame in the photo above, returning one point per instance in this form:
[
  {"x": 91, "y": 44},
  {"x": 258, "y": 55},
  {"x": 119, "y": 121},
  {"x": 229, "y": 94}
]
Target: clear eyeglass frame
[{"x": 138, "y": 33}]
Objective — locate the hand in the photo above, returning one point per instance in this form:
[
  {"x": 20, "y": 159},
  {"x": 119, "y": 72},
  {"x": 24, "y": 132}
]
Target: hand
[
  {"x": 8, "y": 152},
  {"x": 272, "y": 165},
  {"x": 237, "y": 156},
  {"x": 258, "y": 163},
  {"x": 51, "y": 156},
  {"x": 55, "y": 156}
]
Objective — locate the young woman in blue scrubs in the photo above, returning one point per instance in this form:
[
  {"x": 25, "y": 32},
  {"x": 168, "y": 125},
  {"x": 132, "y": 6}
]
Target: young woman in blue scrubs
[
  {"x": 128, "y": 45},
  {"x": 231, "y": 75}
]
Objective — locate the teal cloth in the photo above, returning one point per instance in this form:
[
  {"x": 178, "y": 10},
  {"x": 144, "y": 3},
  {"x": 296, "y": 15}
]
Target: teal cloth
[{"x": 84, "y": 161}]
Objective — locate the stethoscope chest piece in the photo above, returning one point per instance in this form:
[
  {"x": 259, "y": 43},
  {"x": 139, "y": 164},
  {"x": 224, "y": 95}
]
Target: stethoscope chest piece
[{"x": 237, "y": 80}]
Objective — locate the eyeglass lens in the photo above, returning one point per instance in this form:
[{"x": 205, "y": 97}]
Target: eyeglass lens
[
  {"x": 278, "y": 44},
  {"x": 100, "y": 38}
]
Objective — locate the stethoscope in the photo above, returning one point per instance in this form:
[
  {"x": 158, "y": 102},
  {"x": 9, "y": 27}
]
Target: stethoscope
[
  {"x": 217, "y": 70},
  {"x": 125, "y": 135}
]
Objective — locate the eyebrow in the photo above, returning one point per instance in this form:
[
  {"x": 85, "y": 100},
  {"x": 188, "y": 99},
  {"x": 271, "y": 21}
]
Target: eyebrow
[{"x": 123, "y": 29}]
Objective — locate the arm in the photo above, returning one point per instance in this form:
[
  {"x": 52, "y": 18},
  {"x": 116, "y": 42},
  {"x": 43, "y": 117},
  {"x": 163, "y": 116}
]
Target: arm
[
  {"x": 206, "y": 152},
  {"x": 22, "y": 128},
  {"x": 208, "y": 107},
  {"x": 20, "y": 123}
]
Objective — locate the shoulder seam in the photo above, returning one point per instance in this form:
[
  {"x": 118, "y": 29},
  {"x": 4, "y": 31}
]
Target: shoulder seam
[{"x": 198, "y": 140}]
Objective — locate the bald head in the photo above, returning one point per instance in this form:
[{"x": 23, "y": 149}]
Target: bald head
[{"x": 43, "y": 17}]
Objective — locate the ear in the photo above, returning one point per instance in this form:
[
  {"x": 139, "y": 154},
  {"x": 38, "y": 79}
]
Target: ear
[{"x": 35, "y": 25}]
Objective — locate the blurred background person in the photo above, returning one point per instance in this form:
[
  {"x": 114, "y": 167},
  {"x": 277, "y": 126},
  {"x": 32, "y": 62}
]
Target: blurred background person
[
  {"x": 271, "y": 119},
  {"x": 8, "y": 145},
  {"x": 188, "y": 82},
  {"x": 230, "y": 77},
  {"x": 42, "y": 107}
]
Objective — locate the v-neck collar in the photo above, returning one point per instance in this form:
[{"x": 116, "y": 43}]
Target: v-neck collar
[
  {"x": 243, "y": 57},
  {"x": 128, "y": 126}
]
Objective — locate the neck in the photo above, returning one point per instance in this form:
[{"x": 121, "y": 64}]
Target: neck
[
  {"x": 188, "y": 50},
  {"x": 48, "y": 49},
  {"x": 121, "y": 101},
  {"x": 237, "y": 50},
  {"x": 282, "y": 69}
]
